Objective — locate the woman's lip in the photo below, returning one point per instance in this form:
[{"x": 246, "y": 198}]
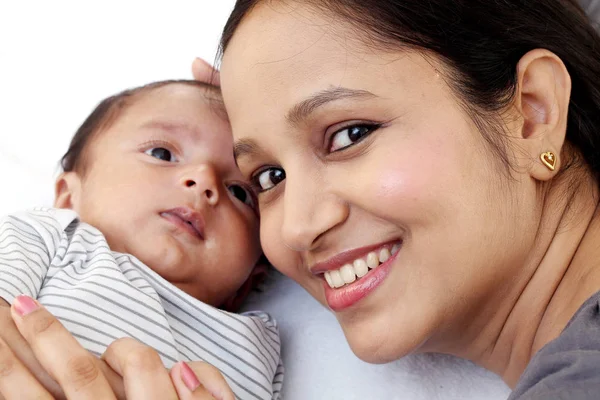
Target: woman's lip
[
  {"x": 346, "y": 296},
  {"x": 347, "y": 257}
]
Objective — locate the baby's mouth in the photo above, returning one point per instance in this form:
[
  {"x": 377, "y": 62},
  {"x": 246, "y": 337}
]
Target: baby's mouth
[{"x": 186, "y": 219}]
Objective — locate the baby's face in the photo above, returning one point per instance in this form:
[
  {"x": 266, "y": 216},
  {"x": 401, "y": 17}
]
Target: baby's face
[{"x": 162, "y": 185}]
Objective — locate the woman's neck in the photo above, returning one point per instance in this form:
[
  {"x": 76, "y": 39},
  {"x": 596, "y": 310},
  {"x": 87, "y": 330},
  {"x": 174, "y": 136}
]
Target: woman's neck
[{"x": 561, "y": 273}]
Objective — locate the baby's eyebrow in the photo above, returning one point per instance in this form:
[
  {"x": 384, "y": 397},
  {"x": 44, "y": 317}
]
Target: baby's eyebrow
[
  {"x": 171, "y": 127},
  {"x": 304, "y": 108}
]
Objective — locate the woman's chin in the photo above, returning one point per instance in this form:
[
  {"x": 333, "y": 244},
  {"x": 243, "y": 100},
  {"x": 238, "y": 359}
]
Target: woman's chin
[{"x": 380, "y": 346}]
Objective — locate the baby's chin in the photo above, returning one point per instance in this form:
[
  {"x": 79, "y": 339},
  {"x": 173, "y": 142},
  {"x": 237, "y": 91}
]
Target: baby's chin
[{"x": 172, "y": 262}]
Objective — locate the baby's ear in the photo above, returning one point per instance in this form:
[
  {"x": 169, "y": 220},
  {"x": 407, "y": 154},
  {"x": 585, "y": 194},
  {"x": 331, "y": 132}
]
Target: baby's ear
[
  {"x": 66, "y": 191},
  {"x": 257, "y": 276}
]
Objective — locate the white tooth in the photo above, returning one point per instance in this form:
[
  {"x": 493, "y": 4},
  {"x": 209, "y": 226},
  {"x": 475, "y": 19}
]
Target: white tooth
[
  {"x": 384, "y": 255},
  {"x": 347, "y": 273},
  {"x": 336, "y": 278},
  {"x": 395, "y": 248},
  {"x": 372, "y": 260},
  {"x": 360, "y": 267},
  {"x": 328, "y": 279}
]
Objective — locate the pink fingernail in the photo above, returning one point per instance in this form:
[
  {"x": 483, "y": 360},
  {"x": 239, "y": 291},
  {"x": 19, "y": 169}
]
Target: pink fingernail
[
  {"x": 189, "y": 377},
  {"x": 24, "y": 305}
]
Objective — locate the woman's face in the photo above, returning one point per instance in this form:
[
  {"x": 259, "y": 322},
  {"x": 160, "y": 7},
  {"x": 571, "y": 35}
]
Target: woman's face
[{"x": 372, "y": 173}]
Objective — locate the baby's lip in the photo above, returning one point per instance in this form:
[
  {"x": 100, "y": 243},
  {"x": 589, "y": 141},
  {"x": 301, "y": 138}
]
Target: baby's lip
[{"x": 189, "y": 216}]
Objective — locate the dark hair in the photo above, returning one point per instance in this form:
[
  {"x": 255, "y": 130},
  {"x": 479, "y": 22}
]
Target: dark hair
[
  {"x": 482, "y": 41},
  {"x": 107, "y": 112}
]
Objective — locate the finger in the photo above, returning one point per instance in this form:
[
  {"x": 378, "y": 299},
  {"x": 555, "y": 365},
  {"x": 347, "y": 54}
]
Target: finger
[
  {"x": 114, "y": 380},
  {"x": 60, "y": 354},
  {"x": 199, "y": 381},
  {"x": 23, "y": 352},
  {"x": 17, "y": 343},
  {"x": 204, "y": 72},
  {"x": 16, "y": 382},
  {"x": 143, "y": 373},
  {"x": 187, "y": 384}
]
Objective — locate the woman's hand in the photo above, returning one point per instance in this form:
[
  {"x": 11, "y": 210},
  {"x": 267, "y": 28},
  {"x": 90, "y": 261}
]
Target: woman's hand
[
  {"x": 145, "y": 377},
  {"x": 17, "y": 343},
  {"x": 204, "y": 72},
  {"x": 11, "y": 338},
  {"x": 81, "y": 375}
]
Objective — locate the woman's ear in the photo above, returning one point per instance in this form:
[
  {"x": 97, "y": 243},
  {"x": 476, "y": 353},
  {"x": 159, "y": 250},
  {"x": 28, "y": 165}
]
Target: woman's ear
[
  {"x": 66, "y": 191},
  {"x": 542, "y": 100}
]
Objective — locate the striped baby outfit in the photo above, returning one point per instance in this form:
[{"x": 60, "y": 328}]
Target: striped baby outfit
[{"x": 101, "y": 295}]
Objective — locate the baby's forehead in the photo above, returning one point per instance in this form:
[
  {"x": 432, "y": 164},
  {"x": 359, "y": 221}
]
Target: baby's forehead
[
  {"x": 194, "y": 108},
  {"x": 187, "y": 103},
  {"x": 199, "y": 93}
]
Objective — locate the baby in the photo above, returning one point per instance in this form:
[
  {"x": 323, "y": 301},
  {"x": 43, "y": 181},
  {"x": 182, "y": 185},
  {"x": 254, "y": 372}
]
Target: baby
[{"x": 154, "y": 230}]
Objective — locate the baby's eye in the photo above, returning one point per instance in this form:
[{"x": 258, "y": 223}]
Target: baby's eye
[
  {"x": 268, "y": 178},
  {"x": 242, "y": 194},
  {"x": 161, "y": 153},
  {"x": 349, "y": 136}
]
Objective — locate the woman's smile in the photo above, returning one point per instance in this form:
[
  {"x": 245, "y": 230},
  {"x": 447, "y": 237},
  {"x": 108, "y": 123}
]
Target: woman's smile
[{"x": 350, "y": 277}]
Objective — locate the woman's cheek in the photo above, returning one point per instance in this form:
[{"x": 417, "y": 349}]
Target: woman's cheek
[
  {"x": 403, "y": 186},
  {"x": 280, "y": 255}
]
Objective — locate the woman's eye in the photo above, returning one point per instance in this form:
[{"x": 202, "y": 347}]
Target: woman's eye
[
  {"x": 161, "y": 153},
  {"x": 242, "y": 194},
  {"x": 269, "y": 178},
  {"x": 349, "y": 136}
]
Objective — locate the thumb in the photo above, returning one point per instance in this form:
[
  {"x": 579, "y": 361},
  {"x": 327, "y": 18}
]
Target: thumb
[{"x": 204, "y": 72}]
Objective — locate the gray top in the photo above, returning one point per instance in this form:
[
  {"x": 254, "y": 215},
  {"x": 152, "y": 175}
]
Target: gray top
[{"x": 569, "y": 366}]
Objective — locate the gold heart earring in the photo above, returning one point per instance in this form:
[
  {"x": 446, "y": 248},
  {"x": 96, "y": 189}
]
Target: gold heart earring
[{"x": 549, "y": 160}]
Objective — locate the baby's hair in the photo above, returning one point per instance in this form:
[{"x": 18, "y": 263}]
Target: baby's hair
[{"x": 109, "y": 110}]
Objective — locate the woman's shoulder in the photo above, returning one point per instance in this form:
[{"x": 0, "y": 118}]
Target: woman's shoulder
[{"x": 567, "y": 367}]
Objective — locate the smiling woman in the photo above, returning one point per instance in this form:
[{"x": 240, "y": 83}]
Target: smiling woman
[
  {"x": 429, "y": 173},
  {"x": 392, "y": 204}
]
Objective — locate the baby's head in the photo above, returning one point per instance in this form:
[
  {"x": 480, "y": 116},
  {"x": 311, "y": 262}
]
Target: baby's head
[{"x": 153, "y": 169}]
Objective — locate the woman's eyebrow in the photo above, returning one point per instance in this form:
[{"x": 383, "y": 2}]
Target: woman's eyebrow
[
  {"x": 303, "y": 109},
  {"x": 244, "y": 147}
]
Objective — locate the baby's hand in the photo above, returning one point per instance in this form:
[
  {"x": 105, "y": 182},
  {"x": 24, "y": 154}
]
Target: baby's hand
[
  {"x": 13, "y": 338},
  {"x": 206, "y": 379}
]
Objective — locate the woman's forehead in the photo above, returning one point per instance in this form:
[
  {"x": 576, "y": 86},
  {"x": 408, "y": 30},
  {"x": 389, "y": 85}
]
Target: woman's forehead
[{"x": 288, "y": 92}]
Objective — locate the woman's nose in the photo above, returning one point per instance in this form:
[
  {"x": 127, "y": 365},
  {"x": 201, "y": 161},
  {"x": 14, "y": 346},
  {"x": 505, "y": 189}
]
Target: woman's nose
[
  {"x": 204, "y": 181},
  {"x": 310, "y": 211}
]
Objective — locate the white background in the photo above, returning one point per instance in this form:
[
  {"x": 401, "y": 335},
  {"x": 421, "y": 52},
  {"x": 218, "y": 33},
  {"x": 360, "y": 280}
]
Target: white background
[{"x": 58, "y": 59}]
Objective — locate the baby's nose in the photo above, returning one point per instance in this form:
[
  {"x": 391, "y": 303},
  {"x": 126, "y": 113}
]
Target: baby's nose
[{"x": 204, "y": 181}]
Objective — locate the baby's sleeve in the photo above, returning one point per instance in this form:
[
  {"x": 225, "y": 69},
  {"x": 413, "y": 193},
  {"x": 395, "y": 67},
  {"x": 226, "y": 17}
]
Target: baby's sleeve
[
  {"x": 278, "y": 381},
  {"x": 28, "y": 243}
]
